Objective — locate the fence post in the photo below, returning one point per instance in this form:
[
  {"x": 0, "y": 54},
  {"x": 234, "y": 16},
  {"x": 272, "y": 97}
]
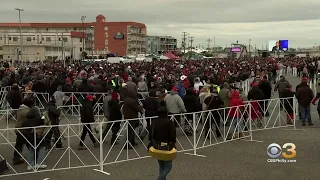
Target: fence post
[{"x": 101, "y": 159}]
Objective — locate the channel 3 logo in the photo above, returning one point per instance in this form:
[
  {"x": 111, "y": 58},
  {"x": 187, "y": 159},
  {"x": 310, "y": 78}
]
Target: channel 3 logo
[{"x": 274, "y": 150}]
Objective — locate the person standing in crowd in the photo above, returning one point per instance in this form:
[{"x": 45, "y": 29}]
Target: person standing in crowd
[
  {"x": 114, "y": 111},
  {"x": 59, "y": 96},
  {"x": 175, "y": 105},
  {"x": 288, "y": 96},
  {"x": 304, "y": 96},
  {"x": 106, "y": 101},
  {"x": 235, "y": 113},
  {"x": 192, "y": 105},
  {"x": 86, "y": 118},
  {"x": 53, "y": 114},
  {"x": 20, "y": 140},
  {"x": 34, "y": 135},
  {"x": 225, "y": 94},
  {"x": 163, "y": 131},
  {"x": 197, "y": 84},
  {"x": 131, "y": 110},
  {"x": 180, "y": 88},
  {"x": 255, "y": 95},
  {"x": 303, "y": 80},
  {"x": 151, "y": 105},
  {"x": 265, "y": 86},
  {"x": 142, "y": 85},
  {"x": 131, "y": 86},
  {"x": 280, "y": 87},
  {"x": 14, "y": 99},
  {"x": 213, "y": 102},
  {"x": 123, "y": 91}
]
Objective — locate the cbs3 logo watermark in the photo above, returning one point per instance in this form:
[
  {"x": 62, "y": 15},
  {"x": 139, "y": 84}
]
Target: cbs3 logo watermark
[{"x": 288, "y": 150}]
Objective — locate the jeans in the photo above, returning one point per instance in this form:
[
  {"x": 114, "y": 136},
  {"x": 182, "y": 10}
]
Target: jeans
[
  {"x": 87, "y": 129},
  {"x": 305, "y": 112},
  {"x": 41, "y": 152},
  {"x": 238, "y": 124},
  {"x": 20, "y": 141},
  {"x": 165, "y": 168}
]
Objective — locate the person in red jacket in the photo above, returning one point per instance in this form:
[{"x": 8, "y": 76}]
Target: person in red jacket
[{"x": 235, "y": 114}]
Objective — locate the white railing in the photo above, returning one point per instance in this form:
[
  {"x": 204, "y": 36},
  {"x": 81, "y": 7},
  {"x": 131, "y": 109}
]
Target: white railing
[{"x": 195, "y": 131}]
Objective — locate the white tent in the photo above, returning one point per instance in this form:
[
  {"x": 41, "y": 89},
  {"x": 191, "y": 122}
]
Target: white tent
[{"x": 164, "y": 57}]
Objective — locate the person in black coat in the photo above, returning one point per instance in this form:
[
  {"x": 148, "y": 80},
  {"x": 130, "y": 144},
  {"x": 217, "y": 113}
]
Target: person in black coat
[
  {"x": 288, "y": 94},
  {"x": 266, "y": 88},
  {"x": 151, "y": 105},
  {"x": 86, "y": 118},
  {"x": 54, "y": 117},
  {"x": 192, "y": 104},
  {"x": 114, "y": 115},
  {"x": 14, "y": 98},
  {"x": 163, "y": 131}
]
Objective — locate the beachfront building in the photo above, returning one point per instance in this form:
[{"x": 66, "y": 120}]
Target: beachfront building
[
  {"x": 159, "y": 44},
  {"x": 43, "y": 41}
]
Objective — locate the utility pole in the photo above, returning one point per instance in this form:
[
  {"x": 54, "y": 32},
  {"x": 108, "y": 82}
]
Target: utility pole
[
  {"x": 191, "y": 41},
  {"x": 214, "y": 46},
  {"x": 83, "y": 36},
  {"x": 188, "y": 41},
  {"x": 91, "y": 38},
  {"x": 184, "y": 41},
  {"x": 20, "y": 31},
  {"x": 62, "y": 51}
]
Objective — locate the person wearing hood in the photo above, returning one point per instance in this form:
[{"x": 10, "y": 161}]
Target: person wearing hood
[
  {"x": 163, "y": 131},
  {"x": 266, "y": 88},
  {"x": 225, "y": 94},
  {"x": 288, "y": 104},
  {"x": 192, "y": 105},
  {"x": 131, "y": 86},
  {"x": 304, "y": 96},
  {"x": 35, "y": 135},
  {"x": 151, "y": 105},
  {"x": 235, "y": 114},
  {"x": 280, "y": 87},
  {"x": 197, "y": 84},
  {"x": 20, "y": 140},
  {"x": 174, "y": 104},
  {"x": 114, "y": 109},
  {"x": 213, "y": 102},
  {"x": 303, "y": 80},
  {"x": 58, "y": 96},
  {"x": 54, "y": 116},
  {"x": 14, "y": 98},
  {"x": 254, "y": 96},
  {"x": 142, "y": 85},
  {"x": 87, "y": 117},
  {"x": 131, "y": 110}
]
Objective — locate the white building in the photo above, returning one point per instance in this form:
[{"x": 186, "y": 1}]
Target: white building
[{"x": 40, "y": 44}]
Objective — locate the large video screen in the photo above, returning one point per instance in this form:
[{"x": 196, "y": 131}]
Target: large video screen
[
  {"x": 278, "y": 45},
  {"x": 236, "y": 49}
]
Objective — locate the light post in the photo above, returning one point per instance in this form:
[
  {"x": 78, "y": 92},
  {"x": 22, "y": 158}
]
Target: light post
[
  {"x": 83, "y": 32},
  {"x": 91, "y": 38},
  {"x": 21, "y": 40}
]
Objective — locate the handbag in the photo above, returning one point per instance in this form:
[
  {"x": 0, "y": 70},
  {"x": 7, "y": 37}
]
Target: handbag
[{"x": 162, "y": 151}]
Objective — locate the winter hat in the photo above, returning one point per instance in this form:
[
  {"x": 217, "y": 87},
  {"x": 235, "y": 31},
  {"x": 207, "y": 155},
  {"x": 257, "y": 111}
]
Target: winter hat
[
  {"x": 114, "y": 96},
  {"x": 89, "y": 97},
  {"x": 174, "y": 88}
]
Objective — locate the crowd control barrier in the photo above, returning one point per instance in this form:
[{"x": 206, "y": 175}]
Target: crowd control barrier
[{"x": 127, "y": 140}]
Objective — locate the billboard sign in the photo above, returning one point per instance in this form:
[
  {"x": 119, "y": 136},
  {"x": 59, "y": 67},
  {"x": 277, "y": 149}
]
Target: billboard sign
[
  {"x": 119, "y": 35},
  {"x": 278, "y": 45}
]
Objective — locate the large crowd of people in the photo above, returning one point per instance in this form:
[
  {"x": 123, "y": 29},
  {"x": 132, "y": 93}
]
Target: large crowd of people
[{"x": 174, "y": 87}]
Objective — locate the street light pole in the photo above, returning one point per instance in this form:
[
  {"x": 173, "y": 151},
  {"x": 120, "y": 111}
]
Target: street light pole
[
  {"x": 20, "y": 31},
  {"x": 83, "y": 38}
]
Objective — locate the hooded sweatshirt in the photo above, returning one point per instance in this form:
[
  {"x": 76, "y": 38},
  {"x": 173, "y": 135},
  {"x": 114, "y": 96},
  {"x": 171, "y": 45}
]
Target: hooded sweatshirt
[
  {"x": 236, "y": 104},
  {"x": 174, "y": 103}
]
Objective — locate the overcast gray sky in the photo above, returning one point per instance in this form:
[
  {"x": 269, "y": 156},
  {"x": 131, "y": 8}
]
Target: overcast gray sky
[{"x": 226, "y": 20}]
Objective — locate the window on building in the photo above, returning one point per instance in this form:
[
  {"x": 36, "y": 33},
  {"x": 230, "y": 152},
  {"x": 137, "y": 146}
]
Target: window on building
[
  {"x": 81, "y": 49},
  {"x": 59, "y": 39},
  {"x": 15, "y": 39},
  {"x": 34, "y": 38},
  {"x": 80, "y": 39},
  {"x": 1, "y": 56},
  {"x": 29, "y": 39},
  {"x": 65, "y": 39},
  {"x": 48, "y": 39},
  {"x": 0, "y": 38},
  {"x": 42, "y": 38},
  {"x": 75, "y": 29},
  {"x": 0, "y": 48},
  {"x": 9, "y": 38}
]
